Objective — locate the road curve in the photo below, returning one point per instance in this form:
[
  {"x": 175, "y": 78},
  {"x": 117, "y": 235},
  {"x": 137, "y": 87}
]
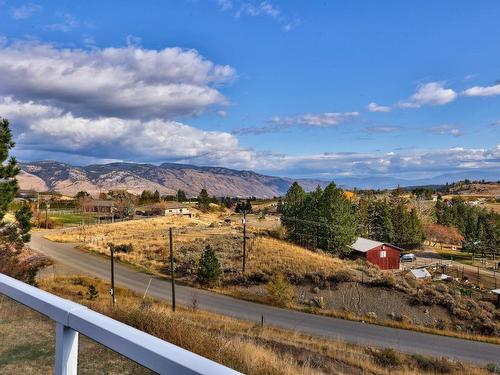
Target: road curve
[{"x": 69, "y": 257}]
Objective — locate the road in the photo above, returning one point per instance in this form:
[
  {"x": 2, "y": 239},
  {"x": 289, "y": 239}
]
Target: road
[{"x": 73, "y": 259}]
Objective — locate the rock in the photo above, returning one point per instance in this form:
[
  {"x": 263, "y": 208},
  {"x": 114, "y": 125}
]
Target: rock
[
  {"x": 315, "y": 290},
  {"x": 372, "y": 315}
]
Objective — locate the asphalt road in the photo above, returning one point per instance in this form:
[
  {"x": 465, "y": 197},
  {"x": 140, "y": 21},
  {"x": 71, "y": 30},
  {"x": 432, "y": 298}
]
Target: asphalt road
[{"x": 69, "y": 258}]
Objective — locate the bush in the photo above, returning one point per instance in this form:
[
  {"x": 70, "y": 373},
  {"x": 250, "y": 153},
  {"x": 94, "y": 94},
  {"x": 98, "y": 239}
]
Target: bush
[
  {"x": 209, "y": 270},
  {"x": 124, "y": 248},
  {"x": 280, "y": 290},
  {"x": 341, "y": 277},
  {"x": 386, "y": 357},
  {"x": 435, "y": 365},
  {"x": 92, "y": 292}
]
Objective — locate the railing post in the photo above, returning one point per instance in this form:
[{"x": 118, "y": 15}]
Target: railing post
[{"x": 66, "y": 350}]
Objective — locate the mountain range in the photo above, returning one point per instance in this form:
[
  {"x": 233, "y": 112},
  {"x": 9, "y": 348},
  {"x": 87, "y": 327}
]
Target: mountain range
[{"x": 167, "y": 178}]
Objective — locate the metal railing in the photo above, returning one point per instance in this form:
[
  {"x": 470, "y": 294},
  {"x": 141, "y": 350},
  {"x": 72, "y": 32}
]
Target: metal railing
[{"x": 72, "y": 318}]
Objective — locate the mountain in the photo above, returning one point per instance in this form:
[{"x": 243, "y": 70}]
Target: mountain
[{"x": 166, "y": 178}]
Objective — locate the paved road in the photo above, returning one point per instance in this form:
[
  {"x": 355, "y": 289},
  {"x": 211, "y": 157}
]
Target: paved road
[{"x": 67, "y": 256}]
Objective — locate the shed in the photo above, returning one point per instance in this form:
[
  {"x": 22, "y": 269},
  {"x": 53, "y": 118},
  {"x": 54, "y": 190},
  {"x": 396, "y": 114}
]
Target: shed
[
  {"x": 420, "y": 273},
  {"x": 383, "y": 255}
]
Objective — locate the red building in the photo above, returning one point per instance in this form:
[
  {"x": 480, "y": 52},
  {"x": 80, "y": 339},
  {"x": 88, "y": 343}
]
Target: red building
[{"x": 385, "y": 256}]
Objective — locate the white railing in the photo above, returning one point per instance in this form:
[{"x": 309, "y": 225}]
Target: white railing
[{"x": 72, "y": 318}]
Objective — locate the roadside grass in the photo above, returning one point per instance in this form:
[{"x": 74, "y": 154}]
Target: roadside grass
[
  {"x": 457, "y": 256},
  {"x": 243, "y": 345}
]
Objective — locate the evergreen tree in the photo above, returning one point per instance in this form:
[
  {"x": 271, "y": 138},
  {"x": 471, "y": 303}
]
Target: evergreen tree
[
  {"x": 339, "y": 227},
  {"x": 8, "y": 171},
  {"x": 292, "y": 211},
  {"x": 382, "y": 228},
  {"x": 181, "y": 196},
  {"x": 209, "y": 269},
  {"x": 203, "y": 200},
  {"x": 156, "y": 196}
]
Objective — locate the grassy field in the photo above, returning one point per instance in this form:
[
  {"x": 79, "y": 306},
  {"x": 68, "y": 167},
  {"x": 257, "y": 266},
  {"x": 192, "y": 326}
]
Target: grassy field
[{"x": 244, "y": 346}]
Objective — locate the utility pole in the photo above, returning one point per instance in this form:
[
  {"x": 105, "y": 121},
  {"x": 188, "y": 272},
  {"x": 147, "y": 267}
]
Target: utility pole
[
  {"x": 172, "y": 273},
  {"x": 47, "y": 206},
  {"x": 112, "y": 290},
  {"x": 244, "y": 222}
]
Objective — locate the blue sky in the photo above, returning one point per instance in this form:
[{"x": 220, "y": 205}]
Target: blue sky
[{"x": 305, "y": 89}]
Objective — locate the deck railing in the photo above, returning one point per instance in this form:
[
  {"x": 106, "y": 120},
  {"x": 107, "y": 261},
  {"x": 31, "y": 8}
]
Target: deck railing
[{"x": 72, "y": 318}]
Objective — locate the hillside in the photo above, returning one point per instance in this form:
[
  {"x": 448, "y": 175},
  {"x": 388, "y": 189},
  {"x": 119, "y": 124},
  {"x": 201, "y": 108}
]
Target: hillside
[{"x": 166, "y": 178}]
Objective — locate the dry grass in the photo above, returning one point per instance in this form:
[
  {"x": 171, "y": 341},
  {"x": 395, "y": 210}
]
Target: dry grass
[{"x": 241, "y": 345}]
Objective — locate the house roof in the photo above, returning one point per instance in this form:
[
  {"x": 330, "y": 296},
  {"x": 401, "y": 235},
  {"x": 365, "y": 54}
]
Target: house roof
[
  {"x": 170, "y": 205},
  {"x": 364, "y": 244},
  {"x": 100, "y": 203},
  {"x": 420, "y": 273}
]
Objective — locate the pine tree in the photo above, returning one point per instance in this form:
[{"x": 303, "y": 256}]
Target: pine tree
[
  {"x": 8, "y": 171},
  {"x": 203, "y": 200},
  {"x": 209, "y": 269},
  {"x": 340, "y": 224},
  {"x": 181, "y": 196},
  {"x": 292, "y": 211},
  {"x": 382, "y": 228}
]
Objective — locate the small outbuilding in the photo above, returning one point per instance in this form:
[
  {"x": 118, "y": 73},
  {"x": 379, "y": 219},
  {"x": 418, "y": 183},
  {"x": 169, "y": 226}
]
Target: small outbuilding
[
  {"x": 169, "y": 209},
  {"x": 383, "y": 255},
  {"x": 420, "y": 273}
]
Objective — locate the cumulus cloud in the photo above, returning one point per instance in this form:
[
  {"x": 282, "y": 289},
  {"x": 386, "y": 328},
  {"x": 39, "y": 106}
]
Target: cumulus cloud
[
  {"x": 446, "y": 130},
  {"x": 25, "y": 11},
  {"x": 374, "y": 107},
  {"x": 432, "y": 93},
  {"x": 46, "y": 128},
  {"x": 483, "y": 91},
  {"x": 123, "y": 82}
]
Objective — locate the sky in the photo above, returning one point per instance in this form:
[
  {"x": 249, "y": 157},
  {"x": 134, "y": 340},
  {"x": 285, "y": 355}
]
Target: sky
[{"x": 293, "y": 88}]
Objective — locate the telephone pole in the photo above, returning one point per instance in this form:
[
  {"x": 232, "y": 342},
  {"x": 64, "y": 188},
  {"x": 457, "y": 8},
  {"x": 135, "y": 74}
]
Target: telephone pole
[
  {"x": 244, "y": 222},
  {"x": 112, "y": 290},
  {"x": 172, "y": 273}
]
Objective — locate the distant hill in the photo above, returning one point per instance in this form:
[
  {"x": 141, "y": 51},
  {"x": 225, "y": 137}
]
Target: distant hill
[{"x": 166, "y": 178}]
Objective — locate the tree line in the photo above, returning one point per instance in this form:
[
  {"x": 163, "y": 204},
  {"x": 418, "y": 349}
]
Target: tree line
[
  {"x": 328, "y": 220},
  {"x": 480, "y": 228}
]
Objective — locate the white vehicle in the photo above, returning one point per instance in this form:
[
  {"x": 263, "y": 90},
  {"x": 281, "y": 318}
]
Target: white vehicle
[{"x": 408, "y": 258}]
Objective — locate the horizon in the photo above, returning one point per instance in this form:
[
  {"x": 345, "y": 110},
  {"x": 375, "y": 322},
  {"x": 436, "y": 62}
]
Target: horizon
[{"x": 324, "y": 91}]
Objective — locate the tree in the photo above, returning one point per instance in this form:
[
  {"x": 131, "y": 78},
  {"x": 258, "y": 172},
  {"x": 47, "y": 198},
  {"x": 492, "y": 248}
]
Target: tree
[
  {"x": 203, "y": 200},
  {"x": 209, "y": 269},
  {"x": 340, "y": 224},
  {"x": 292, "y": 211},
  {"x": 156, "y": 196},
  {"x": 82, "y": 195},
  {"x": 181, "y": 196},
  {"x": 382, "y": 228},
  {"x": 13, "y": 235}
]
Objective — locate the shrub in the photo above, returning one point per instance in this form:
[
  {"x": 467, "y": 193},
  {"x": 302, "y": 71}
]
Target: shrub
[
  {"x": 435, "y": 365},
  {"x": 209, "y": 269},
  {"x": 280, "y": 290},
  {"x": 92, "y": 292},
  {"x": 123, "y": 248},
  {"x": 341, "y": 276},
  {"x": 386, "y": 357},
  {"x": 493, "y": 368}
]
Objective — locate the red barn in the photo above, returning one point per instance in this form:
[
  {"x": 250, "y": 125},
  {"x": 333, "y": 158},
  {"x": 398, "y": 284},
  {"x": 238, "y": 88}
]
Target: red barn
[{"x": 385, "y": 256}]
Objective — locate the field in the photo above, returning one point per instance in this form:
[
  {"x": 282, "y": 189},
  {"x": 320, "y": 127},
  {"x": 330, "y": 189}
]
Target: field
[
  {"x": 319, "y": 283},
  {"x": 244, "y": 346}
]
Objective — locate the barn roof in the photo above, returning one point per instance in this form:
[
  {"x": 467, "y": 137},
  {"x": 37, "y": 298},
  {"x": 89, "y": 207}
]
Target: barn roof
[{"x": 364, "y": 244}]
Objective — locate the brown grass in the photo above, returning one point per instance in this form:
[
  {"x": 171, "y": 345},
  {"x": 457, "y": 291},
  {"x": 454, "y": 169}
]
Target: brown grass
[{"x": 241, "y": 345}]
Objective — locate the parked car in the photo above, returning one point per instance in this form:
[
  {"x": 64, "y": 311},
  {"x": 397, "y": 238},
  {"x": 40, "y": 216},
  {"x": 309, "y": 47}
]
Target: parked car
[{"x": 408, "y": 258}]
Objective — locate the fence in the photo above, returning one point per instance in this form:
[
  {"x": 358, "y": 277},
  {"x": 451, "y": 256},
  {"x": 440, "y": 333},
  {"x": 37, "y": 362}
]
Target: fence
[{"x": 72, "y": 318}]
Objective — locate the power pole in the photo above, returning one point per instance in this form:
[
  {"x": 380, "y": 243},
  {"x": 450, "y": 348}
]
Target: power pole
[
  {"x": 244, "y": 222},
  {"x": 172, "y": 273},
  {"x": 112, "y": 291}
]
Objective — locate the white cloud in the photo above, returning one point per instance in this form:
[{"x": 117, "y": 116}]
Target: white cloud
[
  {"x": 67, "y": 24},
  {"x": 446, "y": 130},
  {"x": 382, "y": 129},
  {"x": 320, "y": 120},
  {"x": 308, "y": 120},
  {"x": 125, "y": 82},
  {"x": 25, "y": 11},
  {"x": 374, "y": 107},
  {"x": 222, "y": 113},
  {"x": 483, "y": 91},
  {"x": 432, "y": 93}
]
